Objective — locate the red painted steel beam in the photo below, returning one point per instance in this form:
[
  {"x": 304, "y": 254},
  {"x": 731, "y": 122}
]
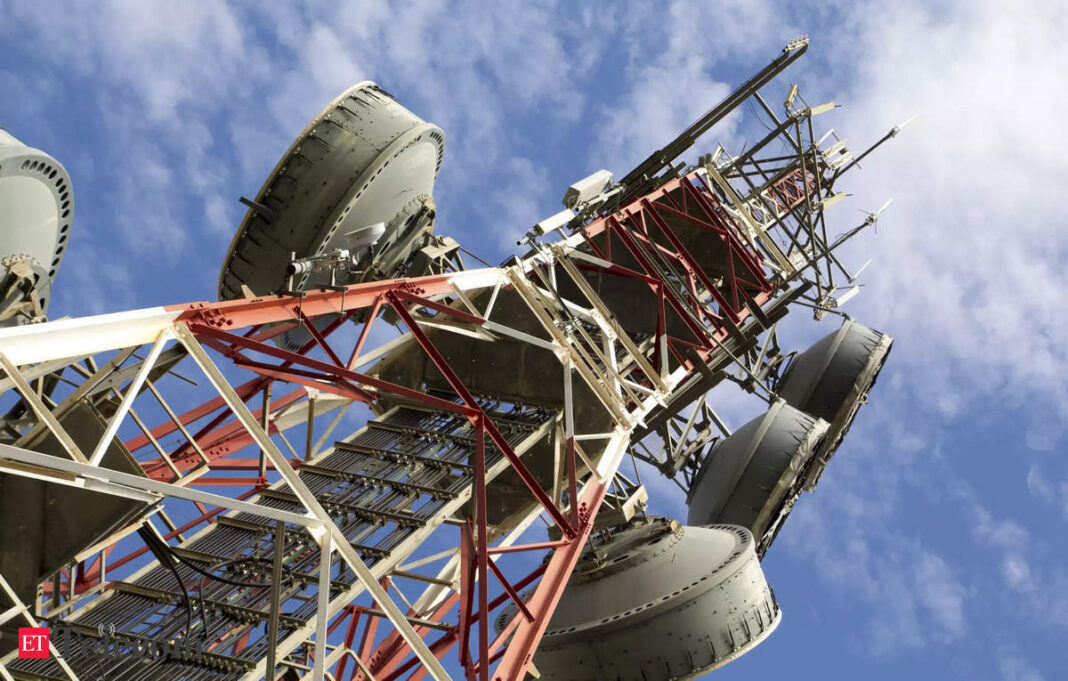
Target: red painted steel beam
[
  {"x": 384, "y": 663},
  {"x": 206, "y": 333},
  {"x": 221, "y": 442},
  {"x": 520, "y": 653},
  {"x": 364, "y": 332},
  {"x": 393, "y": 649},
  {"x": 247, "y": 464},
  {"x": 350, "y": 635},
  {"x": 482, "y": 543},
  {"x": 438, "y": 307},
  {"x": 478, "y": 416},
  {"x": 241, "y": 313}
]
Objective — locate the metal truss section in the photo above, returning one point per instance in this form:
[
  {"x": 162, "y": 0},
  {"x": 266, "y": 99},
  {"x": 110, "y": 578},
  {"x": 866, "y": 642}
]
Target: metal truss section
[
  {"x": 564, "y": 310},
  {"x": 514, "y": 393},
  {"x": 364, "y": 491},
  {"x": 386, "y": 486},
  {"x": 779, "y": 189}
]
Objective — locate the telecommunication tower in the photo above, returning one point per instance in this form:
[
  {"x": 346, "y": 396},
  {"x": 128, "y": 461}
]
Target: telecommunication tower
[{"x": 187, "y": 506}]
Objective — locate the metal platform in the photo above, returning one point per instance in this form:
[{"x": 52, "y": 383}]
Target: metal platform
[{"x": 387, "y": 486}]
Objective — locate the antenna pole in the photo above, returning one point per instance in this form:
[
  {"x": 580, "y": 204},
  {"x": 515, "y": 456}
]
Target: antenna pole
[{"x": 636, "y": 181}]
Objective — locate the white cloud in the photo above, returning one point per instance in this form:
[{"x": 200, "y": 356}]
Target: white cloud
[
  {"x": 1041, "y": 437},
  {"x": 672, "y": 52},
  {"x": 941, "y": 594},
  {"x": 987, "y": 530},
  {"x": 1030, "y": 584},
  {"x": 515, "y": 203},
  {"x": 1017, "y": 571},
  {"x": 1014, "y": 667},
  {"x": 1050, "y": 491},
  {"x": 968, "y": 270},
  {"x": 911, "y": 596},
  {"x": 174, "y": 56}
]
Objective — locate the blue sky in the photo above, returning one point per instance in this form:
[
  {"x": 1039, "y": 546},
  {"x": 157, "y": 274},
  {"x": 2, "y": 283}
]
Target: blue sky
[{"x": 933, "y": 547}]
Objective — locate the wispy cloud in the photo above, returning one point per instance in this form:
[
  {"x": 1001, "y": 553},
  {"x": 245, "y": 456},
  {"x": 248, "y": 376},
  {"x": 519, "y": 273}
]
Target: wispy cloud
[
  {"x": 913, "y": 596},
  {"x": 969, "y": 272},
  {"x": 1015, "y": 667},
  {"x": 1053, "y": 492},
  {"x": 672, "y": 52}
]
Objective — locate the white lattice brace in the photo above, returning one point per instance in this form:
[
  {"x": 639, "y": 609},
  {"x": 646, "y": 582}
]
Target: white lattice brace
[{"x": 315, "y": 509}]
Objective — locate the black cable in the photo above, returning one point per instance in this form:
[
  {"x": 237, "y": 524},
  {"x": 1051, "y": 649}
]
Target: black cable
[
  {"x": 232, "y": 582},
  {"x": 756, "y": 116},
  {"x": 208, "y": 575},
  {"x": 171, "y": 555},
  {"x": 164, "y": 557}
]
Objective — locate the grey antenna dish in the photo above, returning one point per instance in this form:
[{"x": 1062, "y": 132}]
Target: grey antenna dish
[
  {"x": 363, "y": 160},
  {"x": 754, "y": 476},
  {"x": 36, "y": 209},
  {"x": 658, "y": 601},
  {"x": 831, "y": 381}
]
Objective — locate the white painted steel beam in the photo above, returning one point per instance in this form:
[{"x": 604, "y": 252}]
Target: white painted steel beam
[
  {"x": 315, "y": 509},
  {"x": 128, "y": 485},
  {"x": 67, "y": 338},
  {"x": 127, "y": 401}
]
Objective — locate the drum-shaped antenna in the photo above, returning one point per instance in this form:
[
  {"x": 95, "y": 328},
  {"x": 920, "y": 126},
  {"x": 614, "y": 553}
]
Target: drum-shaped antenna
[
  {"x": 36, "y": 209},
  {"x": 831, "y": 381},
  {"x": 363, "y": 160},
  {"x": 658, "y": 601},
  {"x": 753, "y": 477}
]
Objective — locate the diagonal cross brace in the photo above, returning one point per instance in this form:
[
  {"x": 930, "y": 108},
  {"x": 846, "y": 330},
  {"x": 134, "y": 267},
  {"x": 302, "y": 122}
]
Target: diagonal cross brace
[{"x": 341, "y": 543}]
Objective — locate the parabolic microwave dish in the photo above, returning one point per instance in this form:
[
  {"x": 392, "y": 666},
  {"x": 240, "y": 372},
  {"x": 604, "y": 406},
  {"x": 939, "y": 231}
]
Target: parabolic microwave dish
[
  {"x": 36, "y": 211},
  {"x": 364, "y": 159}
]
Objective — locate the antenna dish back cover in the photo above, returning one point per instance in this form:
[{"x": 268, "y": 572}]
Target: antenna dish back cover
[{"x": 359, "y": 162}]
